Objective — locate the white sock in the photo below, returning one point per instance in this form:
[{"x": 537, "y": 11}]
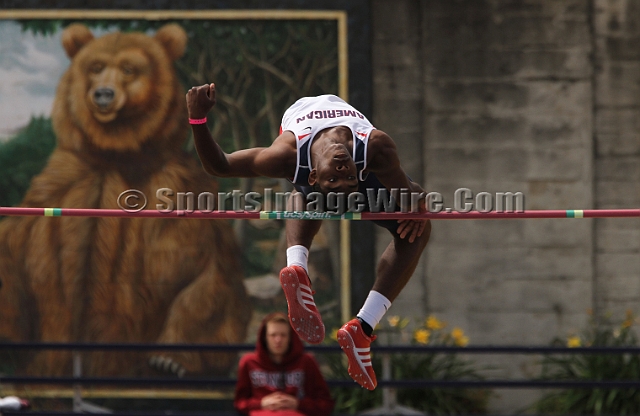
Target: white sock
[
  {"x": 374, "y": 308},
  {"x": 297, "y": 256},
  {"x": 10, "y": 403}
]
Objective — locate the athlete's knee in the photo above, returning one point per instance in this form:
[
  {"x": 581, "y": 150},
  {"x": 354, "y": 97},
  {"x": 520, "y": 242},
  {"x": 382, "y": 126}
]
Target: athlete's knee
[
  {"x": 419, "y": 242},
  {"x": 423, "y": 239}
]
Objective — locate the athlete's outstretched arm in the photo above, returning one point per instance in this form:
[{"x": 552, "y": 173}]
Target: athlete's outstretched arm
[{"x": 258, "y": 161}]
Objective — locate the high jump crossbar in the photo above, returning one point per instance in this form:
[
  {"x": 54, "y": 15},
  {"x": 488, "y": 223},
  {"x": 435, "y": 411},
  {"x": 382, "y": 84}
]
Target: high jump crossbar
[{"x": 311, "y": 215}]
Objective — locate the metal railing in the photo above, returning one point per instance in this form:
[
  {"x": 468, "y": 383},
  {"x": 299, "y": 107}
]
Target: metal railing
[{"x": 386, "y": 382}]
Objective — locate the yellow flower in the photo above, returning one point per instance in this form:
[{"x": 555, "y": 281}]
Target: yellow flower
[
  {"x": 334, "y": 334},
  {"x": 457, "y": 333},
  {"x": 459, "y": 338},
  {"x": 422, "y": 336},
  {"x": 463, "y": 341},
  {"x": 393, "y": 320},
  {"x": 434, "y": 323},
  {"x": 573, "y": 342}
]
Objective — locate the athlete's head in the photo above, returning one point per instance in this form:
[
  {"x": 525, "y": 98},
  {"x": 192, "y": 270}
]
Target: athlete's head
[{"x": 334, "y": 169}]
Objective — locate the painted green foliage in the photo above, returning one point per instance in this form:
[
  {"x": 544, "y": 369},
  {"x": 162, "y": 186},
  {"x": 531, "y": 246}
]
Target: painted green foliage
[{"x": 260, "y": 68}]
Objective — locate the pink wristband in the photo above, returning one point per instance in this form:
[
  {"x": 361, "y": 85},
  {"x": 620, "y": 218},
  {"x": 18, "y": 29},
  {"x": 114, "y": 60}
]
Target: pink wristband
[{"x": 197, "y": 120}]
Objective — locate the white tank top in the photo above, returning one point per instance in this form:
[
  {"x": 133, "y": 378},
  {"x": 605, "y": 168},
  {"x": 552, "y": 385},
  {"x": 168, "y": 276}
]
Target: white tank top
[{"x": 310, "y": 115}]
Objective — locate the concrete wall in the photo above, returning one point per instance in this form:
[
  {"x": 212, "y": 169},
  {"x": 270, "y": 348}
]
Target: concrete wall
[
  {"x": 617, "y": 152},
  {"x": 539, "y": 97}
]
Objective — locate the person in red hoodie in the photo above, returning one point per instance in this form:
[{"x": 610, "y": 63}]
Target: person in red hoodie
[{"x": 279, "y": 378}]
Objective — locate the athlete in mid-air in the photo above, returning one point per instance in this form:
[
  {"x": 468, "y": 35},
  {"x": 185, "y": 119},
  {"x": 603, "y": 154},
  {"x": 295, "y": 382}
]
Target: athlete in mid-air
[{"x": 325, "y": 145}]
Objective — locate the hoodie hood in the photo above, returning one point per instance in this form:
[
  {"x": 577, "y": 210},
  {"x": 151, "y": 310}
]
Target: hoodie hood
[{"x": 296, "y": 348}]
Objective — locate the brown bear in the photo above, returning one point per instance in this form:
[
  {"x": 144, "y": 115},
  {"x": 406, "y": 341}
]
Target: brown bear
[{"x": 120, "y": 119}]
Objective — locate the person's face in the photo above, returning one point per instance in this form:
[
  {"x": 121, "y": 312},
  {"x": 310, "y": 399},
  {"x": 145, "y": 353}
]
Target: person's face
[
  {"x": 335, "y": 171},
  {"x": 278, "y": 335}
]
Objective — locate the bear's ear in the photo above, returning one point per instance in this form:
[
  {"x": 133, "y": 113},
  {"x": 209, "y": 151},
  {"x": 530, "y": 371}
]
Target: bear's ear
[
  {"x": 174, "y": 40},
  {"x": 74, "y": 37}
]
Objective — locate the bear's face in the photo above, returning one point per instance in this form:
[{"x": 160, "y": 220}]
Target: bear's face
[
  {"x": 120, "y": 90},
  {"x": 118, "y": 82}
]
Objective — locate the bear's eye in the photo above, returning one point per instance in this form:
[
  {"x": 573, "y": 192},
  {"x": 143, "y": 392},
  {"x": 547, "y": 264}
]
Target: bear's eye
[
  {"x": 96, "y": 67},
  {"x": 128, "y": 70}
]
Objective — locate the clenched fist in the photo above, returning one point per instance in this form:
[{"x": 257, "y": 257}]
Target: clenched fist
[{"x": 200, "y": 100}]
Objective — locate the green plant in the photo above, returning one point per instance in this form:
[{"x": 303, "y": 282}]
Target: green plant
[
  {"x": 416, "y": 366},
  {"x": 594, "y": 367},
  {"x": 22, "y": 157}
]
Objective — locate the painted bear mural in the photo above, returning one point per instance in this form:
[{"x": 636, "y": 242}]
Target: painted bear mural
[{"x": 120, "y": 120}]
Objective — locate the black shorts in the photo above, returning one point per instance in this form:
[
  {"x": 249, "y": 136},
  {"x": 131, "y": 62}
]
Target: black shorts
[{"x": 371, "y": 182}]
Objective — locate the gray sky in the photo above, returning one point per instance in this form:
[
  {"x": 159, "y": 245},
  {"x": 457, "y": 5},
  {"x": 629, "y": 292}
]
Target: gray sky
[{"x": 30, "y": 68}]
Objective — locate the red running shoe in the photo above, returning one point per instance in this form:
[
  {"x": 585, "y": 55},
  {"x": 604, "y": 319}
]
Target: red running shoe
[
  {"x": 355, "y": 343},
  {"x": 304, "y": 316}
]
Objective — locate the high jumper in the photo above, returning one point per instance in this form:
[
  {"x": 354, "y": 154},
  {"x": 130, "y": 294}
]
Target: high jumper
[{"x": 325, "y": 145}]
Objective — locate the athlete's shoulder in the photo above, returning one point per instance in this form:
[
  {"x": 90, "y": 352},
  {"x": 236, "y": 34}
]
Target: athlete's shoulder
[
  {"x": 281, "y": 156},
  {"x": 285, "y": 141},
  {"x": 382, "y": 151},
  {"x": 379, "y": 140}
]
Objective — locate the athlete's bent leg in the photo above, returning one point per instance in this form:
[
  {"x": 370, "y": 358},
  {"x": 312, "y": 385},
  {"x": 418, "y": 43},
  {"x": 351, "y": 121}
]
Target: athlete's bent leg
[
  {"x": 304, "y": 316},
  {"x": 395, "y": 268},
  {"x": 397, "y": 264}
]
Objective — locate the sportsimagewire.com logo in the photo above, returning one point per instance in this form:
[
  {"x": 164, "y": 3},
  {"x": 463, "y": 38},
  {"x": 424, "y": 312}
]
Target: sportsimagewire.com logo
[{"x": 316, "y": 203}]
